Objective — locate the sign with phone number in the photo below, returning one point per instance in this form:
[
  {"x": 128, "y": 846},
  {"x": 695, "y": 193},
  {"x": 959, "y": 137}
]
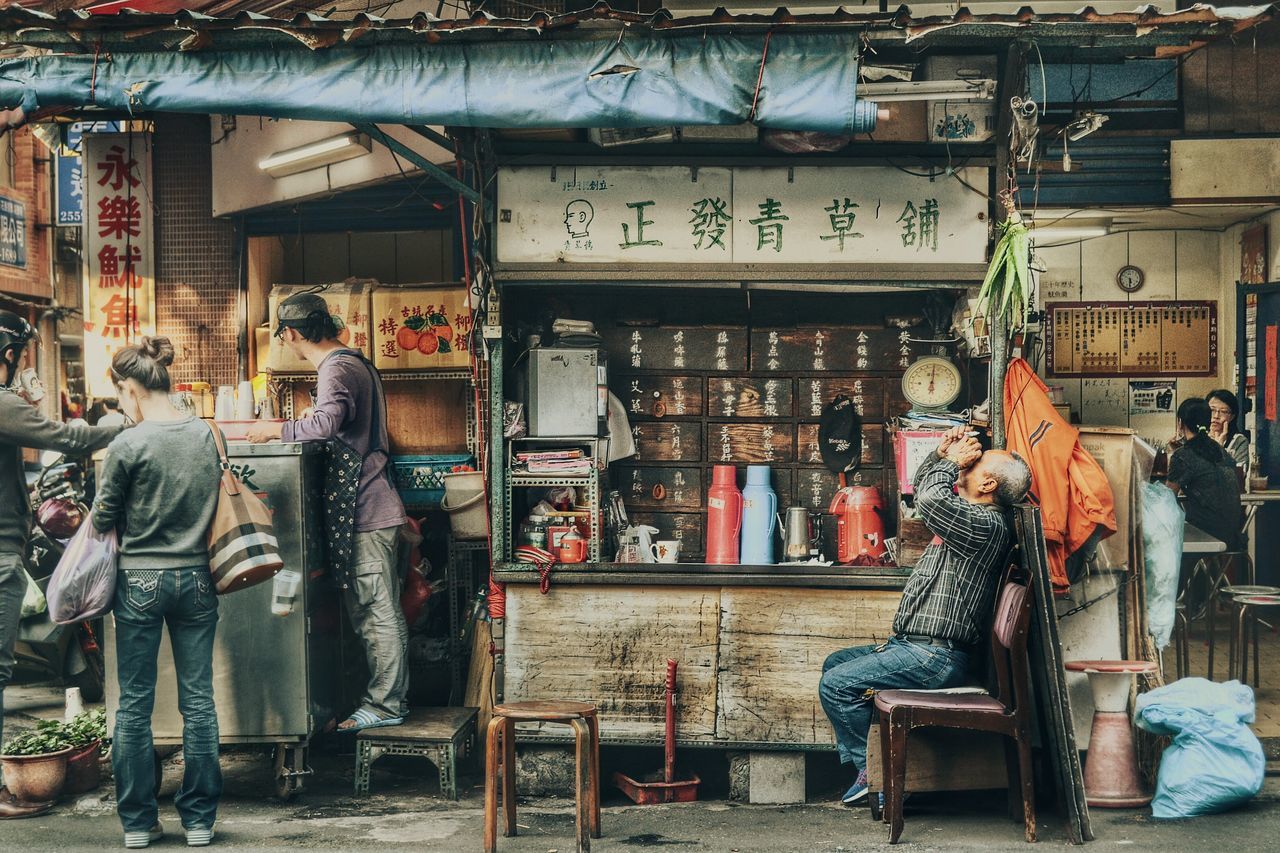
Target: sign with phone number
[{"x": 13, "y": 233}]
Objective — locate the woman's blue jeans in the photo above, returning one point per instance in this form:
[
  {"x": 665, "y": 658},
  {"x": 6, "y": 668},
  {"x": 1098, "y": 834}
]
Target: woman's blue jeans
[
  {"x": 145, "y": 602},
  {"x": 852, "y": 677}
]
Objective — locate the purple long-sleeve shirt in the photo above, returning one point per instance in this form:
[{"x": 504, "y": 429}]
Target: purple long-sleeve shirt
[{"x": 346, "y": 399}]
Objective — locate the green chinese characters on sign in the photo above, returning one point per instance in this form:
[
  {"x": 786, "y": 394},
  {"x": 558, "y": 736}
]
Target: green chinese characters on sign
[
  {"x": 641, "y": 222},
  {"x": 710, "y": 219},
  {"x": 769, "y": 225},
  {"x": 920, "y": 225},
  {"x": 841, "y": 214}
]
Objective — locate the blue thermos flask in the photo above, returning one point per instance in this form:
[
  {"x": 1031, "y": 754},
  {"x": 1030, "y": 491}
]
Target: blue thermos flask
[{"x": 759, "y": 518}]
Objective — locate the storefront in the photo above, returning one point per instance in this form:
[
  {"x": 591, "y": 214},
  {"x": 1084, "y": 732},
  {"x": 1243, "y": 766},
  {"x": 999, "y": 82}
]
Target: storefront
[{"x": 732, "y": 304}]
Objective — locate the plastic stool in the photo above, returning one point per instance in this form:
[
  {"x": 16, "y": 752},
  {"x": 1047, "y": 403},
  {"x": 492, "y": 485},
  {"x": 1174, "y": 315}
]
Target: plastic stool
[{"x": 501, "y": 740}]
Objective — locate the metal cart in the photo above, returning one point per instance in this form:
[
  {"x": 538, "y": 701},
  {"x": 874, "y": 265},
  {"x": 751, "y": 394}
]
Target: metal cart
[{"x": 276, "y": 679}]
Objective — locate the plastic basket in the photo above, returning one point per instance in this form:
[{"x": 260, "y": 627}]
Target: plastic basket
[{"x": 420, "y": 479}]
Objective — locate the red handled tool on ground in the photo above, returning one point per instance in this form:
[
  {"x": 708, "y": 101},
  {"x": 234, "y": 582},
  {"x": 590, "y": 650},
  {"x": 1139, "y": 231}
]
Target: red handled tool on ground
[{"x": 662, "y": 787}]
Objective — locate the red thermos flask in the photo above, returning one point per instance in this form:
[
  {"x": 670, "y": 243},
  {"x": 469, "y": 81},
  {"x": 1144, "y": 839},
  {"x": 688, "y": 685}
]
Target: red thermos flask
[
  {"x": 724, "y": 516},
  {"x": 859, "y": 522}
]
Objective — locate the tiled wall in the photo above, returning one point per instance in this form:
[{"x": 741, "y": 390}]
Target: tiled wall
[
  {"x": 1178, "y": 265},
  {"x": 197, "y": 271}
]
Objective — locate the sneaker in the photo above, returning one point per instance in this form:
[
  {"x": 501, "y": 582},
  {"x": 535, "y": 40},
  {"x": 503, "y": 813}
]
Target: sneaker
[
  {"x": 198, "y": 836},
  {"x": 138, "y": 840},
  {"x": 857, "y": 791}
]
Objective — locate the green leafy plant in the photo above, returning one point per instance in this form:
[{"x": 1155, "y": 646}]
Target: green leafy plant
[
  {"x": 47, "y": 737},
  {"x": 1004, "y": 290},
  {"x": 86, "y": 728},
  {"x": 54, "y": 736}
]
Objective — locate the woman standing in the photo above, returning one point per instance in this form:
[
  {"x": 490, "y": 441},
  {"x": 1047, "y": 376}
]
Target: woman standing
[
  {"x": 1223, "y": 410},
  {"x": 1202, "y": 470},
  {"x": 159, "y": 488}
]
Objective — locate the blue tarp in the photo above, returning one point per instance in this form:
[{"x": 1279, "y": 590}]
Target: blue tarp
[{"x": 808, "y": 82}]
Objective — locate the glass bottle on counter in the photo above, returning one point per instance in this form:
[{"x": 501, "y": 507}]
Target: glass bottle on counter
[{"x": 533, "y": 531}]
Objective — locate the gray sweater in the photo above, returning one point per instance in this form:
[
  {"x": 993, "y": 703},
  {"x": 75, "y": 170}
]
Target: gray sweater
[
  {"x": 22, "y": 425},
  {"x": 159, "y": 489}
]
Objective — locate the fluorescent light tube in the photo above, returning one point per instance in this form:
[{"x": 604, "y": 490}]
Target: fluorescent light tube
[
  {"x": 313, "y": 155},
  {"x": 930, "y": 90},
  {"x": 1070, "y": 233}
]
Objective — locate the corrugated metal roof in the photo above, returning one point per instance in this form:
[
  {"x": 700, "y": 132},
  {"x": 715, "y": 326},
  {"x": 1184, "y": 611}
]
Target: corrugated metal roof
[{"x": 1144, "y": 31}]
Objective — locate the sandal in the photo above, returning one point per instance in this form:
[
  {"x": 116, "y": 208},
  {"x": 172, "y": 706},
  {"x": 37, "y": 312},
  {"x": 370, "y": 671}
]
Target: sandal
[{"x": 365, "y": 719}]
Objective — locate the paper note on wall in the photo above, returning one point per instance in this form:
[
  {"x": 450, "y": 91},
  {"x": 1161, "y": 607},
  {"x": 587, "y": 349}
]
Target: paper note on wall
[{"x": 1271, "y": 372}]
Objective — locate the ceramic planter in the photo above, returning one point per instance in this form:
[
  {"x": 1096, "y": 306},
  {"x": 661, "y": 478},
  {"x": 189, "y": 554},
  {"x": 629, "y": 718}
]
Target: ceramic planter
[
  {"x": 36, "y": 778},
  {"x": 84, "y": 769}
]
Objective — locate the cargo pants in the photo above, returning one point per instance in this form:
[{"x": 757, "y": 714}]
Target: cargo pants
[{"x": 373, "y": 605}]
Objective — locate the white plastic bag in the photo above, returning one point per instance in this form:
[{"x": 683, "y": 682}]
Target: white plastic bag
[
  {"x": 1215, "y": 761},
  {"x": 1163, "y": 523},
  {"x": 33, "y": 601},
  {"x": 83, "y": 585}
]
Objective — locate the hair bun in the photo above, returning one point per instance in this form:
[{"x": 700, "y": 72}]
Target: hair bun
[{"x": 159, "y": 349}]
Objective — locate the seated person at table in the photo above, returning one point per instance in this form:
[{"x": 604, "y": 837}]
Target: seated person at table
[
  {"x": 1200, "y": 469},
  {"x": 947, "y": 602},
  {"x": 1223, "y": 409}
]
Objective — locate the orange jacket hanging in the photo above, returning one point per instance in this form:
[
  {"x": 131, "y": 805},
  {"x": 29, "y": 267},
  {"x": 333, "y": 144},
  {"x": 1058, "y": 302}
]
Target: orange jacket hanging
[{"x": 1067, "y": 483}]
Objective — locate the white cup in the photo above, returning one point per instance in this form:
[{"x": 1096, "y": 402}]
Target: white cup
[
  {"x": 225, "y": 407},
  {"x": 74, "y": 706},
  {"x": 284, "y": 593},
  {"x": 244, "y": 402},
  {"x": 666, "y": 550}
]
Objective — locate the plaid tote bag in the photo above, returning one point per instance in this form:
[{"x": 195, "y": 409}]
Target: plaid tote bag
[{"x": 243, "y": 550}]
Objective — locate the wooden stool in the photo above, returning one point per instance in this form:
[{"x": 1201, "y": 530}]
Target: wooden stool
[
  {"x": 501, "y": 739},
  {"x": 436, "y": 734}
]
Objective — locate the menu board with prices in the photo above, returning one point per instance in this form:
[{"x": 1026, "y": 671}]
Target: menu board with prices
[{"x": 1099, "y": 339}]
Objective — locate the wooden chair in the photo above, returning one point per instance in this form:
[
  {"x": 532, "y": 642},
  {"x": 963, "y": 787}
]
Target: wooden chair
[
  {"x": 500, "y": 765},
  {"x": 1008, "y": 713}
]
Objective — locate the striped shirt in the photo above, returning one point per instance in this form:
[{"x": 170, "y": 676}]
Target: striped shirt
[{"x": 952, "y": 590}]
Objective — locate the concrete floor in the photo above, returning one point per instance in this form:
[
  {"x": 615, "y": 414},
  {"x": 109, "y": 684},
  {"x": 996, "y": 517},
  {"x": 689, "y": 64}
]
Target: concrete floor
[{"x": 405, "y": 812}]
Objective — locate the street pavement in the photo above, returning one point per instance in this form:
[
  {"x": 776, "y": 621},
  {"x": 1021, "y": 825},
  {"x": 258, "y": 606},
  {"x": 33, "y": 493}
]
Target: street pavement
[{"x": 406, "y": 812}]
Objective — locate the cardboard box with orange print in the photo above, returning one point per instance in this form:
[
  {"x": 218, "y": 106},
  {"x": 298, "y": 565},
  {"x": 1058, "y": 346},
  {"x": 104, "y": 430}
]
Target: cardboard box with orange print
[
  {"x": 421, "y": 327},
  {"x": 348, "y": 303}
]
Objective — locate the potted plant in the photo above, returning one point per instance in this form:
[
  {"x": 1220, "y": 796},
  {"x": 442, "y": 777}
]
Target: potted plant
[
  {"x": 85, "y": 734},
  {"x": 35, "y": 763}
]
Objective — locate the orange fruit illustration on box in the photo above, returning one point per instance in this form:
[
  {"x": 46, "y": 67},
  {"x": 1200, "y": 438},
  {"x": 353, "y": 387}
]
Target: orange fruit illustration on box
[{"x": 406, "y": 338}]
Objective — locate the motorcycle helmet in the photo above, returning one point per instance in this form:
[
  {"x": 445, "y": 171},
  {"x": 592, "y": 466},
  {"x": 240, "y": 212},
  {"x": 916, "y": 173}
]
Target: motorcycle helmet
[
  {"x": 15, "y": 333},
  {"x": 60, "y": 518}
]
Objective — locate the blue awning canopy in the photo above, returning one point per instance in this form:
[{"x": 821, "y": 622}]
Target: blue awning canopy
[{"x": 806, "y": 81}]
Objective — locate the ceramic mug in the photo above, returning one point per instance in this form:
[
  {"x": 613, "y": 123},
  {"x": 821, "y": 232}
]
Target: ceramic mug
[{"x": 666, "y": 550}]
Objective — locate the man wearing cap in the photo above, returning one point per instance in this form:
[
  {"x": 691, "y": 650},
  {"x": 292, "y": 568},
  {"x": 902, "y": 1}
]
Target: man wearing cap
[
  {"x": 363, "y": 511},
  {"x": 23, "y": 426}
]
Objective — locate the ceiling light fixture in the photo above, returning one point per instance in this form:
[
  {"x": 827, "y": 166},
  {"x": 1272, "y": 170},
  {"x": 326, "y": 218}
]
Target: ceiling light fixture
[
  {"x": 1085, "y": 124},
  {"x": 313, "y": 155},
  {"x": 930, "y": 90}
]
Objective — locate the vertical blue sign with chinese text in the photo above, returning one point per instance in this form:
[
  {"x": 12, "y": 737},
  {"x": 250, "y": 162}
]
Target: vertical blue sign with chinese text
[{"x": 70, "y": 210}]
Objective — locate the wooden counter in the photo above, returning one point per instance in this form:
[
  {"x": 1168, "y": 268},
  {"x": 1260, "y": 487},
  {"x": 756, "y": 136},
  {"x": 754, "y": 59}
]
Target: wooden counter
[
  {"x": 701, "y": 574},
  {"x": 750, "y": 654}
]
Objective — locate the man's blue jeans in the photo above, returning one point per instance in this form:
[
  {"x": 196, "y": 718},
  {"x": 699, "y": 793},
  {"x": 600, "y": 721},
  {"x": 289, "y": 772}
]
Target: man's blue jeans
[
  {"x": 145, "y": 602},
  {"x": 852, "y": 677}
]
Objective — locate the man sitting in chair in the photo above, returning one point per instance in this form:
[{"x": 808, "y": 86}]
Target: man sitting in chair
[{"x": 962, "y": 495}]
